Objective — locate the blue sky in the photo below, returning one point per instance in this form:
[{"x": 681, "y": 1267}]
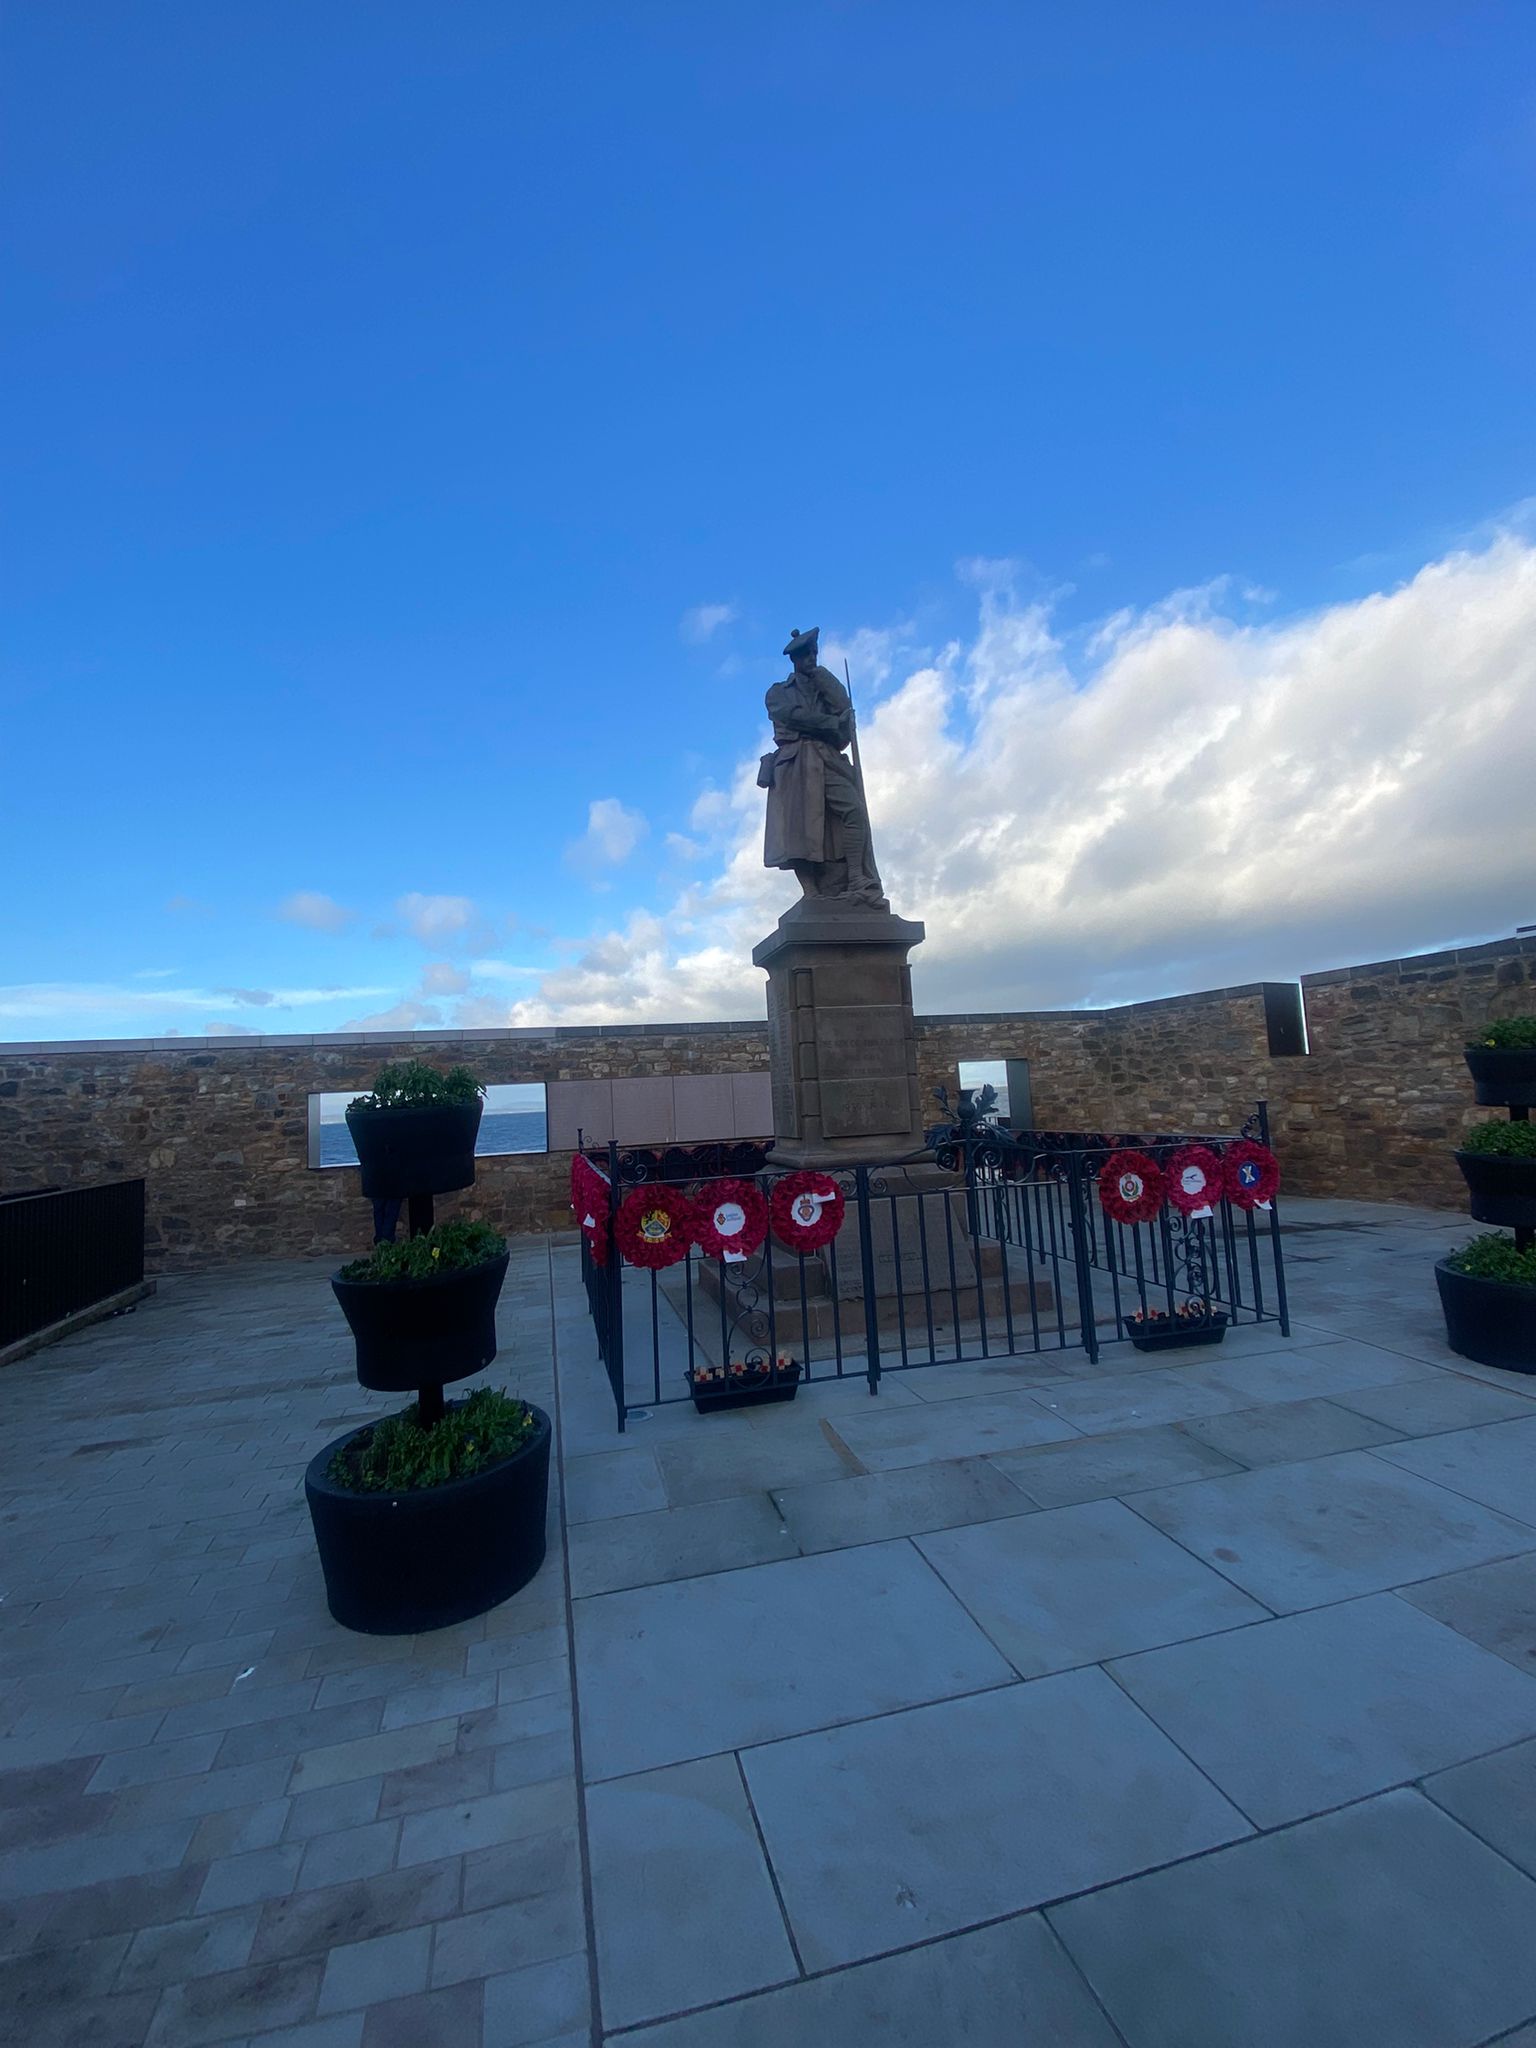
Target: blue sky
[{"x": 426, "y": 424}]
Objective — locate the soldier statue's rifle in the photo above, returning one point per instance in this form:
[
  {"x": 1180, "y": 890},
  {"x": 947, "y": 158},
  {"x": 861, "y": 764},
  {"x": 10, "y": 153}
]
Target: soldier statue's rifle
[{"x": 853, "y": 738}]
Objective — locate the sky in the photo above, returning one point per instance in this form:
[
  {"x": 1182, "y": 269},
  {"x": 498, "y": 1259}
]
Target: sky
[{"x": 423, "y": 427}]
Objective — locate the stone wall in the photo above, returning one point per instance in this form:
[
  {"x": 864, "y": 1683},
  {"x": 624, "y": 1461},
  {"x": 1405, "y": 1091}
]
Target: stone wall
[
  {"x": 1372, "y": 1110},
  {"x": 218, "y": 1127}
]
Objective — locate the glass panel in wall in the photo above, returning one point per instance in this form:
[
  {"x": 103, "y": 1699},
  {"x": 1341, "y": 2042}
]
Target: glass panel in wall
[
  {"x": 978, "y": 1073},
  {"x": 513, "y": 1121}
]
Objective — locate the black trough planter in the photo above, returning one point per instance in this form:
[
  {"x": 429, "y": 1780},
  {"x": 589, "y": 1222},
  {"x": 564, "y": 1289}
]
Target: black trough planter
[
  {"x": 1502, "y": 1189},
  {"x": 751, "y": 1390},
  {"x": 428, "y": 1151},
  {"x": 1504, "y": 1077},
  {"x": 423, "y": 1333},
  {"x": 398, "y": 1564},
  {"x": 1176, "y": 1332},
  {"x": 1492, "y": 1322}
]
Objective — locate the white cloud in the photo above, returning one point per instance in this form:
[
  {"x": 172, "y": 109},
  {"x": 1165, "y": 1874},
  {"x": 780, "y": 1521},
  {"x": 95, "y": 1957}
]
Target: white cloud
[
  {"x": 501, "y": 970},
  {"x": 870, "y": 656},
  {"x": 442, "y": 978},
  {"x": 681, "y": 847},
  {"x": 408, "y": 1015},
  {"x": 1182, "y": 799},
  {"x": 701, "y": 621},
  {"x": 318, "y": 912},
  {"x": 81, "y": 1009},
  {"x": 611, "y": 836},
  {"x": 436, "y": 920}
]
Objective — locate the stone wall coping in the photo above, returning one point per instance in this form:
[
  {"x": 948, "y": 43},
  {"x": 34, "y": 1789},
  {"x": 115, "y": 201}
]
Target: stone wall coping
[
  {"x": 755, "y": 1028},
  {"x": 1091, "y": 1012},
  {"x": 1423, "y": 963},
  {"x": 559, "y": 1034}
]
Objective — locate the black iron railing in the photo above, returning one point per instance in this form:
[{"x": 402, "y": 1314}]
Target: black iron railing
[
  {"x": 65, "y": 1250},
  {"x": 1010, "y": 1255}
]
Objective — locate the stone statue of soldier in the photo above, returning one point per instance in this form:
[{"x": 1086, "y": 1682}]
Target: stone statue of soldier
[{"x": 817, "y": 821}]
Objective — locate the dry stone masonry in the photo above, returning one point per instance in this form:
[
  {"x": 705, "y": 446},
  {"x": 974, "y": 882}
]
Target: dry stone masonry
[{"x": 218, "y": 1129}]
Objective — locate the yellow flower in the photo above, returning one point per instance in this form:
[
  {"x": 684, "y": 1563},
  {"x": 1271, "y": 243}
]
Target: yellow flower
[{"x": 436, "y": 1251}]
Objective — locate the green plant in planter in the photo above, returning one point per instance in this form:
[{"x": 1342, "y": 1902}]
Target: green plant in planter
[
  {"x": 1513, "y": 1140},
  {"x": 398, "y": 1456},
  {"x": 1495, "y": 1257},
  {"x": 1508, "y": 1034},
  {"x": 412, "y": 1084},
  {"x": 447, "y": 1248}
]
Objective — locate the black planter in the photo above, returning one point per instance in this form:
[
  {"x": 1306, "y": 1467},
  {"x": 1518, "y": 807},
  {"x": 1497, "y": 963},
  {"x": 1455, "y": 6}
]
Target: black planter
[
  {"x": 1504, "y": 1078},
  {"x": 1503, "y": 1190},
  {"x": 1490, "y": 1321},
  {"x": 422, "y": 1333},
  {"x": 1176, "y": 1333},
  {"x": 415, "y": 1151},
  {"x": 397, "y": 1564},
  {"x": 773, "y": 1383}
]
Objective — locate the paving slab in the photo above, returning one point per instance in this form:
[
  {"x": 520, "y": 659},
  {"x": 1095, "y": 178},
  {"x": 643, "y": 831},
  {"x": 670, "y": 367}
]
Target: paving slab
[
  {"x": 918, "y": 1824},
  {"x": 683, "y": 1670},
  {"x": 1132, "y": 1400},
  {"x": 728, "y": 1457},
  {"x": 881, "y": 1505},
  {"x": 1288, "y": 1432},
  {"x": 1098, "y": 1467},
  {"x": 986, "y": 1376},
  {"x": 1494, "y": 1464},
  {"x": 1074, "y": 1585},
  {"x": 612, "y": 1483},
  {"x": 1493, "y": 1604},
  {"x": 1008, "y": 1986},
  {"x": 677, "y": 1543},
  {"x": 683, "y": 1902},
  {"x": 922, "y": 1433},
  {"x": 1298, "y": 1536},
  {"x": 1495, "y": 1796},
  {"x": 1386, "y": 1923},
  {"x": 1309, "y": 1373},
  {"x": 1427, "y": 1407},
  {"x": 1305, "y": 1713}
]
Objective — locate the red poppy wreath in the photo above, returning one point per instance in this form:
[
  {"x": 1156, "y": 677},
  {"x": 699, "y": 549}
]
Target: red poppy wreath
[
  {"x": 589, "y": 1191},
  {"x": 807, "y": 1211},
  {"x": 1131, "y": 1187},
  {"x": 1193, "y": 1174},
  {"x": 730, "y": 1220},
  {"x": 654, "y": 1227},
  {"x": 1250, "y": 1175}
]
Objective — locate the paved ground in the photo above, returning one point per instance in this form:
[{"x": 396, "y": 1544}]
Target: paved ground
[{"x": 1179, "y": 1706}]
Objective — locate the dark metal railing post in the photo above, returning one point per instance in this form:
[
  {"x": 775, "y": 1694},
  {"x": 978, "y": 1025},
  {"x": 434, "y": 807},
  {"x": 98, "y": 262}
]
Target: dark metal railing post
[
  {"x": 867, "y": 1280},
  {"x": 613, "y": 1274},
  {"x": 1079, "y": 1224},
  {"x": 1282, "y": 1307}
]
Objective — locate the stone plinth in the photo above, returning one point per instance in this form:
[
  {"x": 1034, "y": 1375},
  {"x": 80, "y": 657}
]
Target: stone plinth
[{"x": 842, "y": 1043}]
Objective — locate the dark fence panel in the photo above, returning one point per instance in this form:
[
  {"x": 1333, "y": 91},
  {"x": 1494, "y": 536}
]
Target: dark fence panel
[
  {"x": 1005, "y": 1253},
  {"x": 65, "y": 1250}
]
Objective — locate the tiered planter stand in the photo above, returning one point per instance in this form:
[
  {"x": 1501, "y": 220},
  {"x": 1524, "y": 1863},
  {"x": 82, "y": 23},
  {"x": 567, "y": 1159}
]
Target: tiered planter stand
[
  {"x": 1493, "y": 1322},
  {"x": 402, "y": 1563}
]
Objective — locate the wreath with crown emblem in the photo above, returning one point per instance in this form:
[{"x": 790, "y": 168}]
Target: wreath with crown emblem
[
  {"x": 1131, "y": 1187},
  {"x": 655, "y": 1226},
  {"x": 806, "y": 1210}
]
